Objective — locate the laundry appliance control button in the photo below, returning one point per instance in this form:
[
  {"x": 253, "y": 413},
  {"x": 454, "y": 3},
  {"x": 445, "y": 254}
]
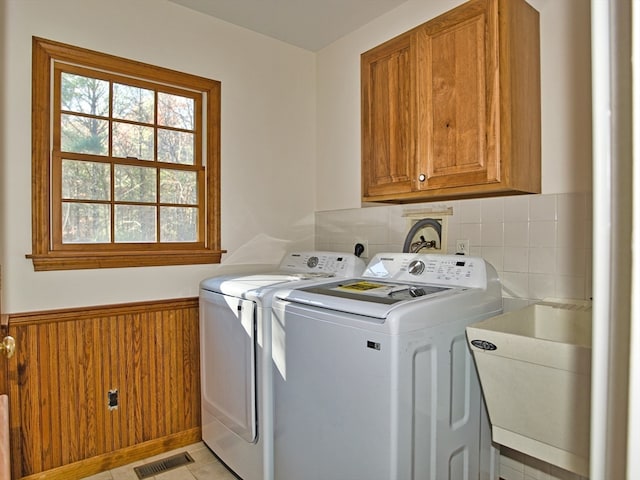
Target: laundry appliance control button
[{"x": 416, "y": 267}]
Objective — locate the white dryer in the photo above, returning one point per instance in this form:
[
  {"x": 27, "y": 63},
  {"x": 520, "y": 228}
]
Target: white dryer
[
  {"x": 373, "y": 379},
  {"x": 235, "y": 356}
]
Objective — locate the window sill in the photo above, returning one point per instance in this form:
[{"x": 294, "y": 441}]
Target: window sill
[{"x": 80, "y": 261}]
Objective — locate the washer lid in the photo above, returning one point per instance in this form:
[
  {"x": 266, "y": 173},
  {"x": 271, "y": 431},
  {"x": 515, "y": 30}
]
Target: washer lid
[{"x": 364, "y": 296}]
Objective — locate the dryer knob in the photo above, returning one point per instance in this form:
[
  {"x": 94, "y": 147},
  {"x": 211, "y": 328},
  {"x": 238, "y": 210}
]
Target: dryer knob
[
  {"x": 416, "y": 267},
  {"x": 312, "y": 262}
]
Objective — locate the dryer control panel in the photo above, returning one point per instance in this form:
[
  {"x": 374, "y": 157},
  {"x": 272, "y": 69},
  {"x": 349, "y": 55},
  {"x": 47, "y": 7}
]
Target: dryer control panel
[
  {"x": 452, "y": 270},
  {"x": 322, "y": 263}
]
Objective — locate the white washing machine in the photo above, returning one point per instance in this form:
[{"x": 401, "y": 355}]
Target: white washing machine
[
  {"x": 235, "y": 357},
  {"x": 373, "y": 379}
]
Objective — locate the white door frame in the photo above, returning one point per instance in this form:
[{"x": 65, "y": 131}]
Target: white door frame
[{"x": 614, "y": 426}]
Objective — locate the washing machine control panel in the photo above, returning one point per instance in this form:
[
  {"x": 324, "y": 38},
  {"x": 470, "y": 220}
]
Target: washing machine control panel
[
  {"x": 323, "y": 263},
  {"x": 439, "y": 269}
]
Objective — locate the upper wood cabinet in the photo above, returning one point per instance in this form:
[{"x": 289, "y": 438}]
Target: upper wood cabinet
[{"x": 451, "y": 108}]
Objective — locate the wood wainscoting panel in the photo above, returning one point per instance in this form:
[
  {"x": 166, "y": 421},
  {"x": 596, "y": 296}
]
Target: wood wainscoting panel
[{"x": 68, "y": 360}]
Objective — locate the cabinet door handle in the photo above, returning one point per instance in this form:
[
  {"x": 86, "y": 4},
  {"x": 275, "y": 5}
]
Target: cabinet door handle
[{"x": 422, "y": 177}]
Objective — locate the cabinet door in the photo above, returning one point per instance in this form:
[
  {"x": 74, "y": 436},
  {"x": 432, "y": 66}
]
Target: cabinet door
[
  {"x": 457, "y": 85},
  {"x": 388, "y": 117}
]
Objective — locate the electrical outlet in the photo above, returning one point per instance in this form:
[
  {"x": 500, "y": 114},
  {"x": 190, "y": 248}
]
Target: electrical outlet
[
  {"x": 365, "y": 244},
  {"x": 112, "y": 399},
  {"x": 462, "y": 247}
]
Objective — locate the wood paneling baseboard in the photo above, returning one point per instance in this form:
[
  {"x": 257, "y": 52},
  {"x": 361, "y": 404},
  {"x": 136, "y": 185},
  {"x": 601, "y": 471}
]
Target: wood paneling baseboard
[
  {"x": 107, "y": 461},
  {"x": 68, "y": 360}
]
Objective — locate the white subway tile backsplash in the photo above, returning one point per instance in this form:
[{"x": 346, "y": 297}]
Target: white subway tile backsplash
[
  {"x": 376, "y": 234},
  {"x": 542, "y": 286},
  {"x": 470, "y": 211},
  {"x": 492, "y": 210},
  {"x": 571, "y": 261},
  {"x": 542, "y": 234},
  {"x": 398, "y": 225},
  {"x": 516, "y": 234},
  {"x": 392, "y": 247},
  {"x": 573, "y": 287},
  {"x": 471, "y": 232},
  {"x": 542, "y": 207},
  {"x": 542, "y": 260},
  {"x": 454, "y": 233},
  {"x": 572, "y": 233},
  {"x": 475, "y": 251},
  {"x": 492, "y": 234},
  {"x": 322, "y": 231},
  {"x": 516, "y": 259},
  {"x": 369, "y": 216},
  {"x": 516, "y": 209},
  {"x": 539, "y": 244}
]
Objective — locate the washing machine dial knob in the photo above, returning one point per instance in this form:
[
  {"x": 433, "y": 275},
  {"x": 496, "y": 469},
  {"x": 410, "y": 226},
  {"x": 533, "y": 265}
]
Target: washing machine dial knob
[
  {"x": 312, "y": 262},
  {"x": 416, "y": 267}
]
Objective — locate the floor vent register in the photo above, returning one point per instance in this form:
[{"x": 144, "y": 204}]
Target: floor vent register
[{"x": 163, "y": 465}]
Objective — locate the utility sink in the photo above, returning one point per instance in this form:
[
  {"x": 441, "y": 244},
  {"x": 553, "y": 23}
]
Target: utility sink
[{"x": 534, "y": 366}]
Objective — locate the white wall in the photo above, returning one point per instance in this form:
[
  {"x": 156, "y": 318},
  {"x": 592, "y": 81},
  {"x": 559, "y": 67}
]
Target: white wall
[
  {"x": 274, "y": 142},
  {"x": 566, "y": 98},
  {"x": 268, "y": 140}
]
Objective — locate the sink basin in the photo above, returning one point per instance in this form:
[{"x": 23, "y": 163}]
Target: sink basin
[{"x": 534, "y": 366}]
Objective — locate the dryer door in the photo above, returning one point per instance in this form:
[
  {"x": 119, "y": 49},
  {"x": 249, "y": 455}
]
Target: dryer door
[{"x": 227, "y": 362}]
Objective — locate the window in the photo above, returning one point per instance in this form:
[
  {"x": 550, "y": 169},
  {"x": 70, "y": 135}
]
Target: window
[{"x": 125, "y": 162}]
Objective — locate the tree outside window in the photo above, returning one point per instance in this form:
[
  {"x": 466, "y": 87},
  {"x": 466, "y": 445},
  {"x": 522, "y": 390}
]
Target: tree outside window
[{"x": 133, "y": 161}]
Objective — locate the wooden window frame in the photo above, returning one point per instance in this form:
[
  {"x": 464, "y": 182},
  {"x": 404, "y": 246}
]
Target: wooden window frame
[{"x": 48, "y": 254}]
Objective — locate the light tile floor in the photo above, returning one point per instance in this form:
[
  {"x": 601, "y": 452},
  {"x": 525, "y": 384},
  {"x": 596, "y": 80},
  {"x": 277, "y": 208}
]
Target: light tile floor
[{"x": 205, "y": 467}]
